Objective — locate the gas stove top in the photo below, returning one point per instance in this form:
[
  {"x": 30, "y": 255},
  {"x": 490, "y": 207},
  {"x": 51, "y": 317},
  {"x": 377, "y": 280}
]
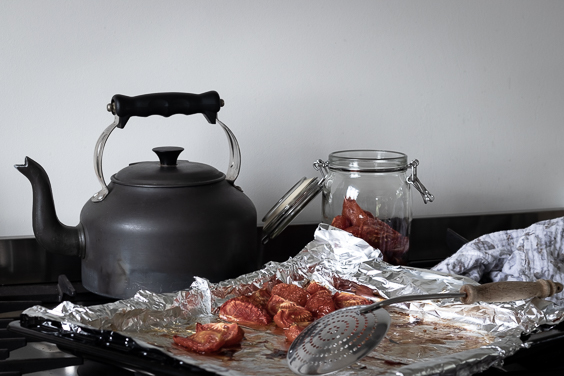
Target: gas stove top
[
  {"x": 29, "y": 276},
  {"x": 20, "y": 354}
]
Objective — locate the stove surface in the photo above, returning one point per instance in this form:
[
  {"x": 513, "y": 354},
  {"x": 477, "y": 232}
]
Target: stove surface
[
  {"x": 30, "y": 276},
  {"x": 46, "y": 351}
]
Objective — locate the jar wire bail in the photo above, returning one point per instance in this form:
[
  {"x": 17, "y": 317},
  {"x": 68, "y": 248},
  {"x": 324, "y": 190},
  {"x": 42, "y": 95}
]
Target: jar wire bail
[
  {"x": 414, "y": 180},
  {"x": 321, "y": 166}
]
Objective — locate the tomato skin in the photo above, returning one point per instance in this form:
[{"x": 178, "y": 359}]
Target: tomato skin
[
  {"x": 286, "y": 317},
  {"x": 294, "y": 330},
  {"x": 291, "y": 292},
  {"x": 353, "y": 212},
  {"x": 210, "y": 338},
  {"x": 276, "y": 302},
  {"x": 345, "y": 299},
  {"x": 244, "y": 309},
  {"x": 355, "y": 230},
  {"x": 290, "y": 306},
  {"x": 203, "y": 342},
  {"x": 340, "y": 222},
  {"x": 362, "y": 224},
  {"x": 260, "y": 297},
  {"x": 232, "y": 333},
  {"x": 320, "y": 304},
  {"x": 314, "y": 287}
]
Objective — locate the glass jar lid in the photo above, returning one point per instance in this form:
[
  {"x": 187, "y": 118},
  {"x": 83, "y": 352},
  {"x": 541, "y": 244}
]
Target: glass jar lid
[
  {"x": 289, "y": 206},
  {"x": 305, "y": 190},
  {"x": 367, "y": 161}
]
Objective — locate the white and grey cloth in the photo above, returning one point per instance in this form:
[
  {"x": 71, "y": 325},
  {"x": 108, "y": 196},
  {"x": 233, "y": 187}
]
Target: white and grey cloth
[{"x": 536, "y": 252}]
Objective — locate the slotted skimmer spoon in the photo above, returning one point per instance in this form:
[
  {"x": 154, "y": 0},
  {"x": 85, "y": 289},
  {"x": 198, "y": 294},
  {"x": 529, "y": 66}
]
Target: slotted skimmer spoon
[{"x": 345, "y": 336}]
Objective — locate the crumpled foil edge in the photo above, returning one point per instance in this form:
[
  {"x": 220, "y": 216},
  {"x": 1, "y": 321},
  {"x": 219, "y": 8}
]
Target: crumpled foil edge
[{"x": 332, "y": 254}]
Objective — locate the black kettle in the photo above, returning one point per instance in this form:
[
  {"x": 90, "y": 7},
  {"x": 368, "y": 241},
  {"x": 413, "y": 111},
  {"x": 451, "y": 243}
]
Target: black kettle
[{"x": 157, "y": 224}]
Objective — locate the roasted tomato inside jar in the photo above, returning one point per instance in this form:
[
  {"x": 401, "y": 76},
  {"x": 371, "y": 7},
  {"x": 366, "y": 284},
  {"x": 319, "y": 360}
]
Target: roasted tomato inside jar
[
  {"x": 377, "y": 233},
  {"x": 369, "y": 194}
]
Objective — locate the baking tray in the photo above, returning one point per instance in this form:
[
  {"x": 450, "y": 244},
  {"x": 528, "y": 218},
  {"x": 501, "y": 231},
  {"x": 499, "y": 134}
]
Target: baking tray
[{"x": 141, "y": 327}]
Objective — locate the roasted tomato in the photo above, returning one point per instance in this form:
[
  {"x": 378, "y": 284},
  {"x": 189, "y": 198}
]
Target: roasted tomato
[
  {"x": 232, "y": 333},
  {"x": 353, "y": 212},
  {"x": 320, "y": 304},
  {"x": 340, "y": 222},
  {"x": 345, "y": 299},
  {"x": 314, "y": 287},
  {"x": 294, "y": 330},
  {"x": 368, "y": 214},
  {"x": 291, "y": 292},
  {"x": 286, "y": 317},
  {"x": 377, "y": 233},
  {"x": 260, "y": 297},
  {"x": 355, "y": 230},
  {"x": 364, "y": 291},
  {"x": 245, "y": 310},
  {"x": 203, "y": 342},
  {"x": 276, "y": 302},
  {"x": 346, "y": 285}
]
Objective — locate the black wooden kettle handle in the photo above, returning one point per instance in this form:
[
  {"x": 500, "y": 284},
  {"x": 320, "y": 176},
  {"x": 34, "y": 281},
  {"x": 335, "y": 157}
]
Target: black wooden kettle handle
[{"x": 165, "y": 104}]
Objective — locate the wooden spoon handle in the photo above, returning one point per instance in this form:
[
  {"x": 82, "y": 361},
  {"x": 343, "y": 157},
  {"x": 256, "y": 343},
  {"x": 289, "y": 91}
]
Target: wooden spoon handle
[{"x": 509, "y": 291}]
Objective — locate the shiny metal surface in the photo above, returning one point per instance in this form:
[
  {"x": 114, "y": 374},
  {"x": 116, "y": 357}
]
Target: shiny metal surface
[
  {"x": 428, "y": 242},
  {"x": 137, "y": 236},
  {"x": 337, "y": 341},
  {"x": 152, "y": 319},
  {"x": 341, "y": 338},
  {"x": 98, "y": 154}
]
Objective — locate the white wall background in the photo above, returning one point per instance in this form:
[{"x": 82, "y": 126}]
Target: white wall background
[{"x": 473, "y": 89}]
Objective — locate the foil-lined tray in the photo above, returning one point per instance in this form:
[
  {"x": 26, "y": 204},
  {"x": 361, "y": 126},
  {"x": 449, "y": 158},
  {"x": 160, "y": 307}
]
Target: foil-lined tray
[{"x": 425, "y": 338}]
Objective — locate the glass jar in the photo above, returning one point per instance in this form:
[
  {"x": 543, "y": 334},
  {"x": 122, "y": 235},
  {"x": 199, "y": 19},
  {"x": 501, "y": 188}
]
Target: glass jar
[{"x": 367, "y": 193}]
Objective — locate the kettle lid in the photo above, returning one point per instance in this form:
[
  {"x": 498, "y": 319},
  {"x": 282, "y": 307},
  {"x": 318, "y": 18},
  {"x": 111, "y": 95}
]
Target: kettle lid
[{"x": 168, "y": 171}]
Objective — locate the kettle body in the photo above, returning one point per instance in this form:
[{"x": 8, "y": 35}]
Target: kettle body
[
  {"x": 158, "y": 239},
  {"x": 157, "y": 224}
]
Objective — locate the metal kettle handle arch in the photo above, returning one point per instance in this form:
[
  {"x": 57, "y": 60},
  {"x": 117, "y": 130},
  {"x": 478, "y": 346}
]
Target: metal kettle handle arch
[{"x": 164, "y": 104}]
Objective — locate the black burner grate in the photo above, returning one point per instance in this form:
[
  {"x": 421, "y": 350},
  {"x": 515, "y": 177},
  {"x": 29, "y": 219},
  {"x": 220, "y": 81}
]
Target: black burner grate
[
  {"x": 29, "y": 276},
  {"x": 16, "y": 298}
]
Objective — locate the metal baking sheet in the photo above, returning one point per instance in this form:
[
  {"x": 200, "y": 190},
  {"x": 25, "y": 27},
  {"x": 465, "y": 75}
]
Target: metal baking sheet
[{"x": 431, "y": 337}]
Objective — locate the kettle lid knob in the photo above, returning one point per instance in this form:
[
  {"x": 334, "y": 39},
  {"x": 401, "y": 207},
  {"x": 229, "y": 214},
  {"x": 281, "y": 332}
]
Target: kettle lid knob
[{"x": 168, "y": 155}]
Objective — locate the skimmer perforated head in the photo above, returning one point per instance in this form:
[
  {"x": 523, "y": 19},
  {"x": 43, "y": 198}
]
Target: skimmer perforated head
[
  {"x": 340, "y": 338},
  {"x": 337, "y": 340}
]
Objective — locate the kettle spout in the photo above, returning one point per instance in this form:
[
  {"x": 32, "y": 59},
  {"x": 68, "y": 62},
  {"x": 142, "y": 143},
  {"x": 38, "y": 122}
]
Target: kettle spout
[{"x": 49, "y": 232}]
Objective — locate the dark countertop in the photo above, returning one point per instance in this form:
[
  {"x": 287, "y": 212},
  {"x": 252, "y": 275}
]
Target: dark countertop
[
  {"x": 429, "y": 242},
  {"x": 432, "y": 240}
]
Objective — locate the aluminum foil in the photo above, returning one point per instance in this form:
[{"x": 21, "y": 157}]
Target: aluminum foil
[{"x": 425, "y": 338}]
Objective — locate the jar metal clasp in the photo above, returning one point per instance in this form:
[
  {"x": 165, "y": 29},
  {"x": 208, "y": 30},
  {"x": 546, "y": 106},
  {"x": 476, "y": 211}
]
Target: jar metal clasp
[
  {"x": 321, "y": 166},
  {"x": 414, "y": 180}
]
